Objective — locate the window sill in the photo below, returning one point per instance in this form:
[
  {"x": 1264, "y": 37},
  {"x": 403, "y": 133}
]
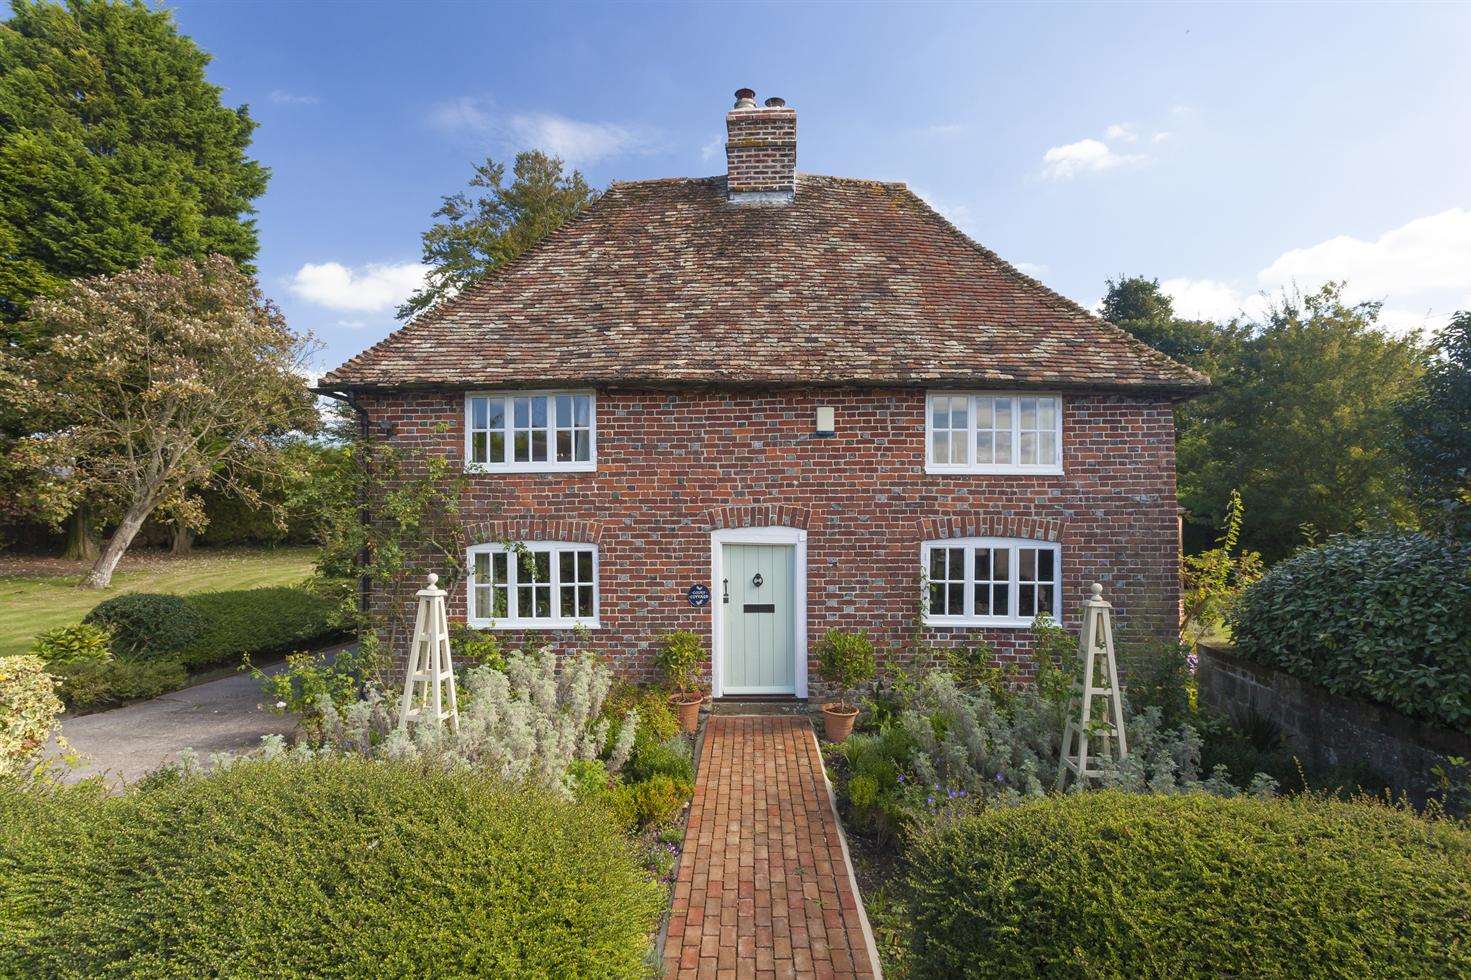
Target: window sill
[
  {"x": 531, "y": 624},
  {"x": 972, "y": 622},
  {"x": 483, "y": 468},
  {"x": 939, "y": 469}
]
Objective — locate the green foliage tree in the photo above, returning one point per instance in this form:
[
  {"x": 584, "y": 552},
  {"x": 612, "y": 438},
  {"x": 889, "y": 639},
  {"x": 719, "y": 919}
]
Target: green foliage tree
[
  {"x": 149, "y": 384},
  {"x": 1212, "y": 581},
  {"x": 1303, "y": 418},
  {"x": 1437, "y": 419},
  {"x": 480, "y": 230},
  {"x": 113, "y": 148},
  {"x": 1139, "y": 306}
]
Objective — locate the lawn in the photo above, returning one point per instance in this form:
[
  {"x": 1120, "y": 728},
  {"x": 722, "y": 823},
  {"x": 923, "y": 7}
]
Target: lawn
[{"x": 37, "y": 594}]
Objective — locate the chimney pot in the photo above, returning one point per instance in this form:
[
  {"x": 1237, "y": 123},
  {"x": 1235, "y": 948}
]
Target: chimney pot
[
  {"x": 745, "y": 98},
  {"x": 775, "y": 103}
]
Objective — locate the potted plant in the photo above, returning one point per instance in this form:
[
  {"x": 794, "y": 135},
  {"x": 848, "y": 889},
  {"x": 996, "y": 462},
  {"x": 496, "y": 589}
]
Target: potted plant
[
  {"x": 844, "y": 660},
  {"x": 679, "y": 659}
]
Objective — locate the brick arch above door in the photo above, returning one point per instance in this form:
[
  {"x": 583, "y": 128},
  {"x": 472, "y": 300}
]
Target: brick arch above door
[
  {"x": 757, "y": 515},
  {"x": 534, "y": 529},
  {"x": 991, "y": 525}
]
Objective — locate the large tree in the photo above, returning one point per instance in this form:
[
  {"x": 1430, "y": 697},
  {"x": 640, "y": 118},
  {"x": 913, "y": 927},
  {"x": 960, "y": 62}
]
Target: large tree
[
  {"x": 495, "y": 222},
  {"x": 113, "y": 147},
  {"x": 1303, "y": 420},
  {"x": 150, "y": 384},
  {"x": 1437, "y": 420}
]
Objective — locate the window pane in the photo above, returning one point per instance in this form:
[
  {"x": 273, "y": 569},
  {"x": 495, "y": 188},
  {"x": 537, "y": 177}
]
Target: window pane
[
  {"x": 1027, "y": 599},
  {"x": 584, "y": 599},
  {"x": 983, "y": 600},
  {"x": 957, "y": 563},
  {"x": 957, "y": 599},
  {"x": 502, "y": 608},
  {"x": 959, "y": 447},
  {"x": 1044, "y": 565},
  {"x": 496, "y": 413},
  {"x": 522, "y": 442},
  {"x": 985, "y": 446},
  {"x": 1047, "y": 448},
  {"x": 567, "y": 566},
  {"x": 564, "y": 445},
  {"x": 538, "y": 446},
  {"x": 582, "y": 410},
  {"x": 482, "y": 568},
  {"x": 497, "y": 446},
  {"x": 939, "y": 412},
  {"x": 937, "y": 564},
  {"x": 1047, "y": 413},
  {"x": 1000, "y": 599},
  {"x": 959, "y": 413},
  {"x": 940, "y": 446},
  {"x": 583, "y": 446},
  {"x": 543, "y": 602},
  {"x": 1003, "y": 446},
  {"x": 584, "y": 566},
  {"x": 1028, "y": 563},
  {"x": 477, "y": 447},
  {"x": 1029, "y": 413},
  {"x": 1002, "y": 564},
  {"x": 1045, "y": 598},
  {"x": 1029, "y": 448},
  {"x": 499, "y": 564},
  {"x": 478, "y": 413},
  {"x": 568, "y": 601},
  {"x": 564, "y": 410},
  {"x": 521, "y": 417},
  {"x": 937, "y": 600},
  {"x": 985, "y": 412},
  {"x": 1003, "y": 413},
  {"x": 539, "y": 410},
  {"x": 483, "y": 603}
]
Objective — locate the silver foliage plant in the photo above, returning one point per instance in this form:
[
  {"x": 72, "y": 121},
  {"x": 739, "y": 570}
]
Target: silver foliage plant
[
  {"x": 529, "y": 721},
  {"x": 965, "y": 750}
]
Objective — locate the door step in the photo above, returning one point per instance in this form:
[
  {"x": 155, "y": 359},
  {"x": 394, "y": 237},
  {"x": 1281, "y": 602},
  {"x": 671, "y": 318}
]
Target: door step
[{"x": 760, "y": 704}]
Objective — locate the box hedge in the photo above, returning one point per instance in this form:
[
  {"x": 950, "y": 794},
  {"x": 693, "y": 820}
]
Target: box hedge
[
  {"x": 344, "y": 867},
  {"x": 1109, "y": 884},
  {"x": 259, "y": 623},
  {"x": 1384, "y": 618}
]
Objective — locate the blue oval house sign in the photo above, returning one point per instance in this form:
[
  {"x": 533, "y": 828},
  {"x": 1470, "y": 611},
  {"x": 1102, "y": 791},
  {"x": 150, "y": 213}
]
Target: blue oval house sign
[{"x": 699, "y": 595}]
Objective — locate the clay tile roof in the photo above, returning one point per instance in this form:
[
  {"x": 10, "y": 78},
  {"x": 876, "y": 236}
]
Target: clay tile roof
[{"x": 663, "y": 282}]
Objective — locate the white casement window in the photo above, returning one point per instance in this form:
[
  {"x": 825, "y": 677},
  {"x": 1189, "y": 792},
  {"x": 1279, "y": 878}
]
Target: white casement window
[
  {"x": 533, "y": 585},
  {"x": 993, "y": 433},
  {"x": 530, "y": 431},
  {"x": 990, "y": 581}
]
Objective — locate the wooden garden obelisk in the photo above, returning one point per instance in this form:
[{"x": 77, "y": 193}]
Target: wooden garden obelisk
[
  {"x": 1091, "y": 727},
  {"x": 429, "y": 686}
]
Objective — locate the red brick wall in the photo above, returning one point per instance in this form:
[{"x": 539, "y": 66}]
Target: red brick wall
[
  {"x": 674, "y": 466},
  {"x": 761, "y": 150}
]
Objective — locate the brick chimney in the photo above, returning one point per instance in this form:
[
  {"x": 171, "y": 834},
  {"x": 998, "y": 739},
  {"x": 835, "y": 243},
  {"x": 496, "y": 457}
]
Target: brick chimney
[{"x": 760, "y": 151}]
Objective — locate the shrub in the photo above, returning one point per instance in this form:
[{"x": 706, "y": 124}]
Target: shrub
[
  {"x": 339, "y": 867},
  {"x": 1114, "y": 884},
  {"x": 672, "y": 758},
  {"x": 93, "y": 684},
  {"x": 147, "y": 624},
  {"x": 257, "y": 623},
  {"x": 845, "y": 660},
  {"x": 475, "y": 648},
  {"x": 65, "y": 646},
  {"x": 679, "y": 658},
  {"x": 657, "y": 722},
  {"x": 654, "y": 801},
  {"x": 1383, "y": 618},
  {"x": 28, "y": 711}
]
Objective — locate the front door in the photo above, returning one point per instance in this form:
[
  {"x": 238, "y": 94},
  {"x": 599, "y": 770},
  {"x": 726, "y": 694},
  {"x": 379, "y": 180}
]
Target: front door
[{"x": 758, "y": 602}]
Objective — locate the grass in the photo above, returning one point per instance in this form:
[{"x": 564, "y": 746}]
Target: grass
[{"x": 39, "y": 594}]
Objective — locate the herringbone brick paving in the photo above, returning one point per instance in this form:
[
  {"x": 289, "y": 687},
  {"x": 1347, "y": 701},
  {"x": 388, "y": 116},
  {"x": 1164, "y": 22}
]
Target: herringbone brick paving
[{"x": 763, "y": 889}]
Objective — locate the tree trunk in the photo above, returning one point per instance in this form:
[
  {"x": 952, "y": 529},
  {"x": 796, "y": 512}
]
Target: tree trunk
[
  {"x": 81, "y": 540},
  {"x": 100, "y": 577},
  {"x": 181, "y": 539}
]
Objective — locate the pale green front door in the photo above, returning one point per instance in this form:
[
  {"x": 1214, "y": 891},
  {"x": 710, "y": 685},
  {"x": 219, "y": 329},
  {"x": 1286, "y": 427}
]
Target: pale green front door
[{"x": 758, "y": 655}]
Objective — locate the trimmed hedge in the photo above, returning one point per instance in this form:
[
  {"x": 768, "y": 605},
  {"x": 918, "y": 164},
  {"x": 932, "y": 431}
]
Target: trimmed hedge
[
  {"x": 258, "y": 623},
  {"x": 1385, "y": 618},
  {"x": 146, "y": 624},
  {"x": 1110, "y": 884},
  {"x": 343, "y": 867}
]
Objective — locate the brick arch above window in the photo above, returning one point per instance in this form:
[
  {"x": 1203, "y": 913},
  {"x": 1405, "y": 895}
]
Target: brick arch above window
[
  {"x": 535, "y": 529},
  {"x": 983, "y": 525},
  {"x": 758, "y": 515}
]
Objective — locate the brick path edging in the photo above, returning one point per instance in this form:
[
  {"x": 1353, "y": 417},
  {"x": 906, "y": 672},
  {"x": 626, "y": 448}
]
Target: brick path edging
[{"x": 765, "y": 886}]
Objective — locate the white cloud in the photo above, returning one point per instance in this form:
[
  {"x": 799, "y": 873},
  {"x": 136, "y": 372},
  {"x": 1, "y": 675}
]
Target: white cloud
[
  {"x": 1160, "y": 137},
  {"x": 283, "y": 97},
  {"x": 712, "y": 149},
  {"x": 372, "y": 288},
  {"x": 1033, "y": 269},
  {"x": 1211, "y": 299},
  {"x": 957, "y": 213},
  {"x": 574, "y": 140},
  {"x": 1084, "y": 156},
  {"x": 1421, "y": 271},
  {"x": 1122, "y": 132}
]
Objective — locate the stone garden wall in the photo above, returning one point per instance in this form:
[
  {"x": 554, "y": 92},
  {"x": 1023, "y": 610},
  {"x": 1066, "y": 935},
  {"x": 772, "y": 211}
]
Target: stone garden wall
[{"x": 1324, "y": 728}]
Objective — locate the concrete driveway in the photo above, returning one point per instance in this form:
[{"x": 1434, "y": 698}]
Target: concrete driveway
[{"x": 227, "y": 715}]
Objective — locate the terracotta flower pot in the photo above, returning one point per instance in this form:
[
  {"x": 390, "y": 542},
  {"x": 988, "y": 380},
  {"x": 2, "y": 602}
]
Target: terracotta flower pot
[
  {"x": 687, "y": 706},
  {"x": 837, "y": 721}
]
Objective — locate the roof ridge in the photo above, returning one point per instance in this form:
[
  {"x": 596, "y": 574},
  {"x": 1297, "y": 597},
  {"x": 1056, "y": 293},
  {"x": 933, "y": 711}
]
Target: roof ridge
[{"x": 1068, "y": 304}]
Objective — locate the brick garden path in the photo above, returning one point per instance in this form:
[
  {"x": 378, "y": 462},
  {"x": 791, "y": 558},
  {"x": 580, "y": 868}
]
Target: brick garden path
[{"x": 763, "y": 887}]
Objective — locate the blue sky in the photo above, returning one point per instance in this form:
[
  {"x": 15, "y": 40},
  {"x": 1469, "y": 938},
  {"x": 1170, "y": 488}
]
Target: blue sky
[{"x": 1224, "y": 149}]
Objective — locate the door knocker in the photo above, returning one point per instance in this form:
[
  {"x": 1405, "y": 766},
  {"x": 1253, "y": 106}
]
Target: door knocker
[
  {"x": 725, "y": 588},
  {"x": 756, "y": 580}
]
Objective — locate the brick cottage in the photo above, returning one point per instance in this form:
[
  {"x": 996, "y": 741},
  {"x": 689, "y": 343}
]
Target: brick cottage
[{"x": 764, "y": 405}]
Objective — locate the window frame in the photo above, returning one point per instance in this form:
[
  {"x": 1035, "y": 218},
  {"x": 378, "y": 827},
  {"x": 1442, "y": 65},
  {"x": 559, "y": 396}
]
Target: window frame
[
  {"x": 508, "y": 427},
  {"x": 974, "y": 467},
  {"x": 515, "y": 622},
  {"x": 1014, "y": 545}
]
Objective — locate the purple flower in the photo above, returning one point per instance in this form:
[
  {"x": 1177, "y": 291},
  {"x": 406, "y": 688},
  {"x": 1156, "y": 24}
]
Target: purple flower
[
  {"x": 1001, "y": 777},
  {"x": 901, "y": 777},
  {"x": 930, "y": 800}
]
